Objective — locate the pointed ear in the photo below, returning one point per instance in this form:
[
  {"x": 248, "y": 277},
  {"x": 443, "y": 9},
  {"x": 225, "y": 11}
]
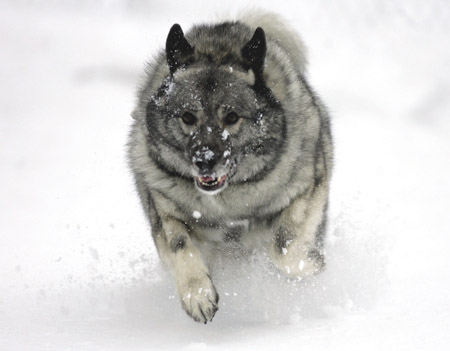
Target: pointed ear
[
  {"x": 255, "y": 52},
  {"x": 178, "y": 50}
]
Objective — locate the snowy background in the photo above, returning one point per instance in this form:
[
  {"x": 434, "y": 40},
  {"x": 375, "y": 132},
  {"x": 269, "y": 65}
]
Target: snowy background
[{"x": 78, "y": 268}]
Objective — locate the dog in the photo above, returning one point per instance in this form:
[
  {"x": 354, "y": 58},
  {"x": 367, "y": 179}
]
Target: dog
[{"x": 230, "y": 144}]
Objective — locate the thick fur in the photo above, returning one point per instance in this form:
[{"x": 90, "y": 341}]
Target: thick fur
[{"x": 276, "y": 158}]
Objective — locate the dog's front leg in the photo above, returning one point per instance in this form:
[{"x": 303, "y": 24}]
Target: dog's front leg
[
  {"x": 298, "y": 235},
  {"x": 196, "y": 291}
]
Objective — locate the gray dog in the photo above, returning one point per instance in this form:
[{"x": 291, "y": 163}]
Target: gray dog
[{"x": 230, "y": 145}]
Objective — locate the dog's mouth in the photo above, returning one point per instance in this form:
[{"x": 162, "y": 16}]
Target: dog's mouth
[{"x": 211, "y": 184}]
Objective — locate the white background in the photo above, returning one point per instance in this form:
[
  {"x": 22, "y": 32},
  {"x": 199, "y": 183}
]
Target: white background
[{"x": 78, "y": 269}]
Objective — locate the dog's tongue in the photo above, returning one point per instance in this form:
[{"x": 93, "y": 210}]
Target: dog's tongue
[{"x": 207, "y": 179}]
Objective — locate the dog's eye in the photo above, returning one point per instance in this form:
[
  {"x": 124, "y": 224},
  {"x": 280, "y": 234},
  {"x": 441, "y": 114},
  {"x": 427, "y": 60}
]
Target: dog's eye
[
  {"x": 231, "y": 118},
  {"x": 188, "y": 118}
]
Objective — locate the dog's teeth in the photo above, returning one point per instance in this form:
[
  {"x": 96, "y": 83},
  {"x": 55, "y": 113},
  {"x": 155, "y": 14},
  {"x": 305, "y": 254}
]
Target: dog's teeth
[{"x": 215, "y": 182}]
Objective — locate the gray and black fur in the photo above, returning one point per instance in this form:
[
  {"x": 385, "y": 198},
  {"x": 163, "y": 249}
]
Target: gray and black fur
[{"x": 230, "y": 144}]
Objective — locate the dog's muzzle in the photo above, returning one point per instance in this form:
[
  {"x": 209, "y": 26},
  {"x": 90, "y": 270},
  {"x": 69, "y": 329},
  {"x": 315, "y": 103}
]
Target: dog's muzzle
[{"x": 211, "y": 178}]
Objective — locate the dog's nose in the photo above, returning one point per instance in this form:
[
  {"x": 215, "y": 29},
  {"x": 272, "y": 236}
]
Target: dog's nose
[{"x": 206, "y": 165}]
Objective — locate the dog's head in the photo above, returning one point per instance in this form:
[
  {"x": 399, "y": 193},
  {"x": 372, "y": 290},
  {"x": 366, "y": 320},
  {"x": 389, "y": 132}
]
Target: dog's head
[{"x": 215, "y": 109}]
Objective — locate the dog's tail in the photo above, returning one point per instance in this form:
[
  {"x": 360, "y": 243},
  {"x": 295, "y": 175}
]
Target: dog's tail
[{"x": 277, "y": 28}]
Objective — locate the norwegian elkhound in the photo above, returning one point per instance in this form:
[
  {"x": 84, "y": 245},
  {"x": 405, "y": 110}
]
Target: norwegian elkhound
[{"x": 230, "y": 144}]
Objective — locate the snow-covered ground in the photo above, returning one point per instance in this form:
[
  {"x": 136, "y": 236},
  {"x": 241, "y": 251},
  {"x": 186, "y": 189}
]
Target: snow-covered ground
[{"x": 78, "y": 267}]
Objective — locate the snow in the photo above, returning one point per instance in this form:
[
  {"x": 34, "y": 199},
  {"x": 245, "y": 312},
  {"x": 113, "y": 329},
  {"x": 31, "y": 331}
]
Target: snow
[
  {"x": 301, "y": 265},
  {"x": 204, "y": 154},
  {"x": 225, "y": 134},
  {"x": 79, "y": 270}
]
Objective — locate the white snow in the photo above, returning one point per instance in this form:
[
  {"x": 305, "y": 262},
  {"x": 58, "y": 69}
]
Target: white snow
[
  {"x": 225, "y": 134},
  {"x": 205, "y": 154},
  {"x": 196, "y": 214},
  {"x": 78, "y": 266}
]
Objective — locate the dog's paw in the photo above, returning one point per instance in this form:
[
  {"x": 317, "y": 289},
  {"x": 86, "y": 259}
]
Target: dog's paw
[
  {"x": 300, "y": 264},
  {"x": 199, "y": 299},
  {"x": 315, "y": 262}
]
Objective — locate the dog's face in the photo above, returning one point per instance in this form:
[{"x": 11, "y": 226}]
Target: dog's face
[{"x": 212, "y": 115}]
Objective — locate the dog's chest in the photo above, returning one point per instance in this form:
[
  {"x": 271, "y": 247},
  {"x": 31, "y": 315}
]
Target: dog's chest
[
  {"x": 244, "y": 232},
  {"x": 226, "y": 220}
]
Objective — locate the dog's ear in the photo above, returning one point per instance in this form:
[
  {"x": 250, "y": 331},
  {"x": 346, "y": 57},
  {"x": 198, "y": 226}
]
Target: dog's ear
[
  {"x": 178, "y": 50},
  {"x": 255, "y": 52}
]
